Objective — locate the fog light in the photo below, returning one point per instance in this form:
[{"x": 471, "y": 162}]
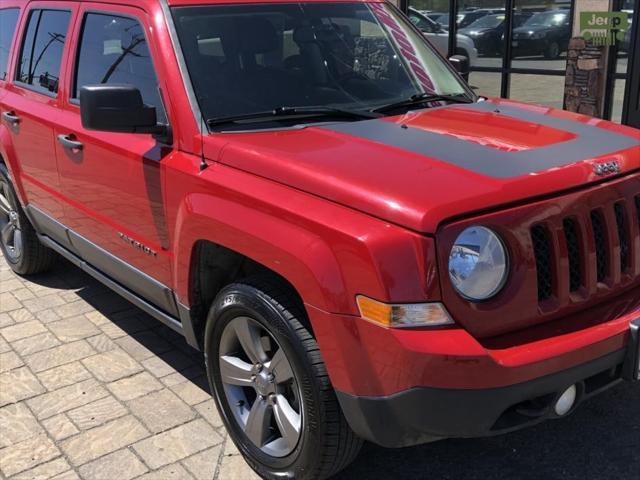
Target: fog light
[{"x": 566, "y": 401}]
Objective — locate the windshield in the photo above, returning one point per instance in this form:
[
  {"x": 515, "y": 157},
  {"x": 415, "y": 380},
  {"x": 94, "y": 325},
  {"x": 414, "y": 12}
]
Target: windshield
[
  {"x": 248, "y": 58},
  {"x": 547, "y": 18},
  {"x": 488, "y": 21}
]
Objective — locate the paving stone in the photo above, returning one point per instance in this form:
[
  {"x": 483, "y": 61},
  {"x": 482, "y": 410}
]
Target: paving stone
[
  {"x": 34, "y": 344},
  {"x": 54, "y": 357},
  {"x": 96, "y": 413},
  {"x": 184, "y": 375},
  {"x": 73, "y": 328},
  {"x": 233, "y": 467},
  {"x": 203, "y": 465},
  {"x": 66, "y": 310},
  {"x": 47, "y": 316},
  {"x": 9, "y": 361},
  {"x": 104, "y": 439},
  {"x": 161, "y": 410},
  {"x": 27, "y": 454},
  {"x": 22, "y": 330},
  {"x": 17, "y": 424},
  {"x": 44, "y": 471},
  {"x": 190, "y": 392},
  {"x": 68, "y": 475},
  {"x": 4, "y": 346},
  {"x": 6, "y": 320},
  {"x": 134, "y": 386},
  {"x": 101, "y": 343},
  {"x": 167, "y": 363},
  {"x": 21, "y": 315},
  {"x": 66, "y": 398},
  {"x": 43, "y": 303},
  {"x": 23, "y": 294},
  {"x": 8, "y": 302},
  {"x": 97, "y": 318},
  {"x": 209, "y": 412},
  {"x": 176, "y": 444},
  {"x": 59, "y": 427},
  {"x": 174, "y": 471},
  {"x": 111, "y": 365},
  {"x": 63, "y": 375},
  {"x": 11, "y": 284},
  {"x": 18, "y": 384},
  {"x": 143, "y": 345},
  {"x": 122, "y": 465}
]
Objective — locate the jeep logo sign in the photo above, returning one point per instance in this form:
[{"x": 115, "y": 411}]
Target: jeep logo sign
[{"x": 607, "y": 168}]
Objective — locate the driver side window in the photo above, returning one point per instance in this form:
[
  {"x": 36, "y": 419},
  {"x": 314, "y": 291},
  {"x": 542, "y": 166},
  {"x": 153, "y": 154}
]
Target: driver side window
[{"x": 113, "y": 49}]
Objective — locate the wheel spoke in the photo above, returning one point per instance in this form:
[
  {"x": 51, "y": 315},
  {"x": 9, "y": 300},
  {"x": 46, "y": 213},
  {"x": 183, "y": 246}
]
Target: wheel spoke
[
  {"x": 249, "y": 336},
  {"x": 7, "y": 234},
  {"x": 288, "y": 421},
  {"x": 281, "y": 367},
  {"x": 257, "y": 426},
  {"x": 17, "y": 242},
  {"x": 5, "y": 207},
  {"x": 235, "y": 371}
]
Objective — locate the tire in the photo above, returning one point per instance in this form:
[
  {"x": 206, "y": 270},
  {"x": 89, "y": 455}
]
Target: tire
[
  {"x": 324, "y": 443},
  {"x": 552, "y": 51},
  {"x": 19, "y": 242}
]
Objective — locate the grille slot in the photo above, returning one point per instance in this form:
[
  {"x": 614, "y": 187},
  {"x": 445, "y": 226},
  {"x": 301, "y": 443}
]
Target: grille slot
[
  {"x": 542, "y": 251},
  {"x": 573, "y": 250},
  {"x": 621, "y": 222},
  {"x": 600, "y": 240}
]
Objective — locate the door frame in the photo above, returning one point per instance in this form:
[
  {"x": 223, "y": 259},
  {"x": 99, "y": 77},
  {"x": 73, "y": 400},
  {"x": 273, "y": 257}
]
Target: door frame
[{"x": 631, "y": 103}]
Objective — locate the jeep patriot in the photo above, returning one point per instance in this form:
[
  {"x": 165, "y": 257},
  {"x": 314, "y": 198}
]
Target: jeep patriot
[{"x": 362, "y": 247}]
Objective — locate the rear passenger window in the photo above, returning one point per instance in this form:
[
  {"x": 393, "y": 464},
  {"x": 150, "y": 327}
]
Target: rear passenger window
[
  {"x": 8, "y": 20},
  {"x": 42, "y": 48},
  {"x": 114, "y": 49}
]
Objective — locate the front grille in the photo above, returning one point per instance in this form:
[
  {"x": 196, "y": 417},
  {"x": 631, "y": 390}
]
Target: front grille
[
  {"x": 613, "y": 232},
  {"x": 573, "y": 250}
]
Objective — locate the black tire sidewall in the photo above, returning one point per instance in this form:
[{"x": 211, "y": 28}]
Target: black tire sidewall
[
  {"x": 243, "y": 300},
  {"x": 17, "y": 262}
]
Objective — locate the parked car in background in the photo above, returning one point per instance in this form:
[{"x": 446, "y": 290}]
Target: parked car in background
[
  {"x": 465, "y": 18},
  {"x": 487, "y": 32},
  {"x": 439, "y": 36},
  {"x": 544, "y": 33},
  {"x": 625, "y": 44}
]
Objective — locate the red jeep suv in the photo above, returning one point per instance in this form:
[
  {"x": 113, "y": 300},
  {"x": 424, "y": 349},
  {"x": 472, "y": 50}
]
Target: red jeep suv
[{"x": 363, "y": 248}]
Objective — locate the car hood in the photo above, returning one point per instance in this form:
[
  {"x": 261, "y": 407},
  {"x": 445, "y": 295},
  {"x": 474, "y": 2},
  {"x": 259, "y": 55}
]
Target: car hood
[
  {"x": 474, "y": 31},
  {"x": 531, "y": 29},
  {"x": 424, "y": 167}
]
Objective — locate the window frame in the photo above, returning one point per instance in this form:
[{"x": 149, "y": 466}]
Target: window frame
[
  {"x": 24, "y": 28},
  {"x": 16, "y": 30},
  {"x": 73, "y": 77}
]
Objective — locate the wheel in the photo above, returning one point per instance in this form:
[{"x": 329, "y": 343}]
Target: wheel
[
  {"x": 18, "y": 240},
  {"x": 271, "y": 386},
  {"x": 552, "y": 51}
]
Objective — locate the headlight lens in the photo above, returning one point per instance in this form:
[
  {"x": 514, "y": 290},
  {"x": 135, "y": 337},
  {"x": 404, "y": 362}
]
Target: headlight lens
[{"x": 478, "y": 263}]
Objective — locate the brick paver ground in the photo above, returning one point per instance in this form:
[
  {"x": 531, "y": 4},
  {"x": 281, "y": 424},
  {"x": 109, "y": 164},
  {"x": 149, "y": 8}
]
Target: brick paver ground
[{"x": 93, "y": 388}]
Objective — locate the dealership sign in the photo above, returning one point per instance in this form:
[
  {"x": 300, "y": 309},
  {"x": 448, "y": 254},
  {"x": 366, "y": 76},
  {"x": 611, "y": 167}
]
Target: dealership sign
[{"x": 604, "y": 28}]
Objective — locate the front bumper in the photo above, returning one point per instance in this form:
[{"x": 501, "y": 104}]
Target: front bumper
[
  {"x": 426, "y": 414},
  {"x": 402, "y": 387}
]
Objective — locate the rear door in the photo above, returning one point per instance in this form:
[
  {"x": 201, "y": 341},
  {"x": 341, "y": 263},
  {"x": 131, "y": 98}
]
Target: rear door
[
  {"x": 112, "y": 181},
  {"x": 31, "y": 102}
]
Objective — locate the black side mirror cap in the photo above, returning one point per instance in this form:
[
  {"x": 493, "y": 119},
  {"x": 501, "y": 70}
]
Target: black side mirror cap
[
  {"x": 461, "y": 64},
  {"x": 117, "y": 108}
]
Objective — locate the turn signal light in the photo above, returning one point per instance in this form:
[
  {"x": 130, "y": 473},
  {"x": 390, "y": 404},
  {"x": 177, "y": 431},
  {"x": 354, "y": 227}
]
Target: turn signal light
[{"x": 403, "y": 315}]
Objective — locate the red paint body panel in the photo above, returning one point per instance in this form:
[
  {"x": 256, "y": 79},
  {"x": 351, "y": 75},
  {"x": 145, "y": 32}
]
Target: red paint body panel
[{"x": 337, "y": 216}]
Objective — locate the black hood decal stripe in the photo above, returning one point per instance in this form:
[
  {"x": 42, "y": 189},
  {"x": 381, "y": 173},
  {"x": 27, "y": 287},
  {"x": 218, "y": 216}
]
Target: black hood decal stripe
[{"x": 590, "y": 142}]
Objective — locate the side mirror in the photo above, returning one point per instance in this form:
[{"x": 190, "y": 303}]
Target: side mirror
[
  {"x": 461, "y": 64},
  {"x": 117, "y": 108}
]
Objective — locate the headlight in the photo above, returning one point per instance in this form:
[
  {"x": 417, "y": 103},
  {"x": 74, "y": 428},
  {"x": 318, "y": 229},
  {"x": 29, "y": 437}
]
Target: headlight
[{"x": 478, "y": 263}]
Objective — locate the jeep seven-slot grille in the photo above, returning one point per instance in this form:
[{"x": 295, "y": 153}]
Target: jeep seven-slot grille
[{"x": 603, "y": 224}]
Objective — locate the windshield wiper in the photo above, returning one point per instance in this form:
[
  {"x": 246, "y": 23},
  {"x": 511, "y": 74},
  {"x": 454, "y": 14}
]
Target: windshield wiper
[
  {"x": 287, "y": 113},
  {"x": 421, "y": 98}
]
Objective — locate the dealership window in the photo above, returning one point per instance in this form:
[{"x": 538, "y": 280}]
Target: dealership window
[
  {"x": 8, "y": 19},
  {"x": 42, "y": 48}
]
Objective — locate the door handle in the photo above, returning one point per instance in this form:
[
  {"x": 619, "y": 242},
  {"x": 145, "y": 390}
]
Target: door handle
[
  {"x": 67, "y": 142},
  {"x": 11, "y": 118}
]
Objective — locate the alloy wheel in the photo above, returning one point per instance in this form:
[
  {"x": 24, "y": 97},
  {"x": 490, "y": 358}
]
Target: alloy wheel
[
  {"x": 10, "y": 229},
  {"x": 260, "y": 387}
]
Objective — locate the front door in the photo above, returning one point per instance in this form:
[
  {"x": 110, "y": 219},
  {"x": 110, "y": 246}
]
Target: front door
[
  {"x": 112, "y": 181},
  {"x": 631, "y": 112}
]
